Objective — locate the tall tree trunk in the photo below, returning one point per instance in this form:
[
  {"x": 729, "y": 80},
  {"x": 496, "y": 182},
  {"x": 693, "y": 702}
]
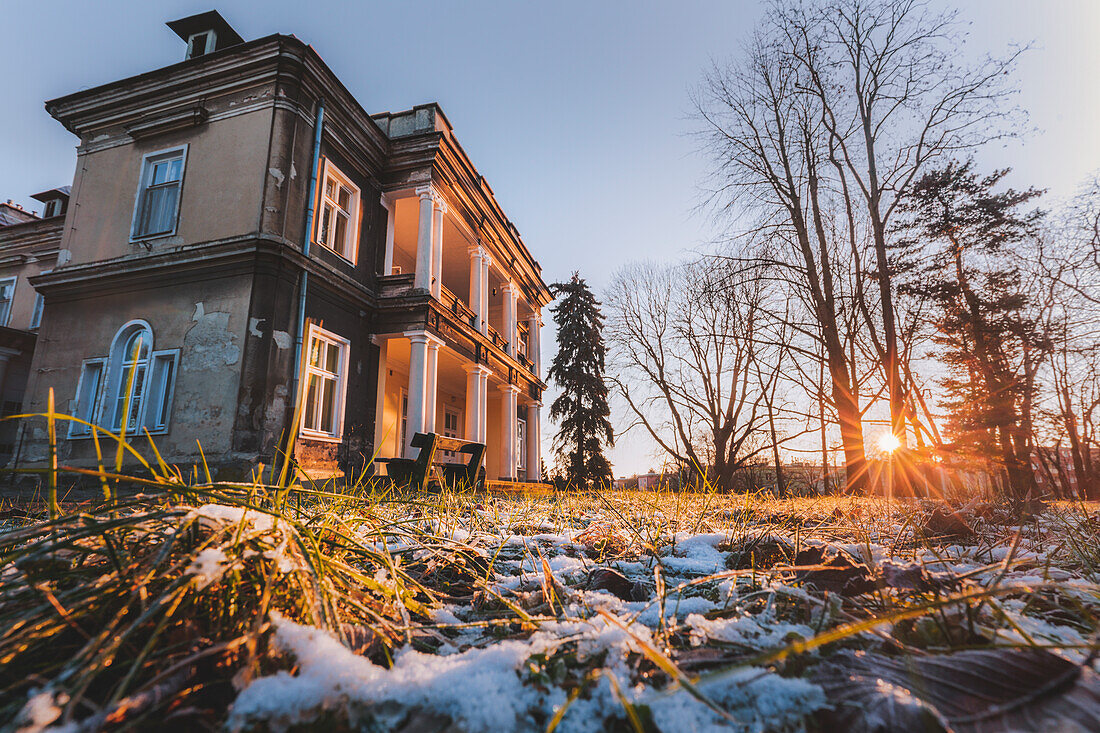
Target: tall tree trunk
[{"x": 780, "y": 488}]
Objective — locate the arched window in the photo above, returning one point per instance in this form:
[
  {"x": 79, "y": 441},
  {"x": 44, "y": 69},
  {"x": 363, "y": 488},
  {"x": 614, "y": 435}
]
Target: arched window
[
  {"x": 133, "y": 382},
  {"x": 128, "y": 365}
]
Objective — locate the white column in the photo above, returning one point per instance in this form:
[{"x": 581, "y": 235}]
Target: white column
[
  {"x": 425, "y": 239},
  {"x": 534, "y": 442},
  {"x": 486, "y": 260},
  {"x": 475, "y": 285},
  {"x": 423, "y": 360},
  {"x": 477, "y": 398},
  {"x": 432, "y": 381},
  {"x": 381, "y": 430},
  {"x": 391, "y": 207},
  {"x": 437, "y": 247},
  {"x": 534, "y": 348},
  {"x": 483, "y": 405},
  {"x": 473, "y": 397},
  {"x": 509, "y": 293},
  {"x": 418, "y": 363},
  {"x": 508, "y": 436}
]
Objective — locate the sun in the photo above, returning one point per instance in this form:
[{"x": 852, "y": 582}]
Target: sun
[{"x": 888, "y": 442}]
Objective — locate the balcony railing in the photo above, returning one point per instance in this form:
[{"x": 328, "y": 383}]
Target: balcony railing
[
  {"x": 455, "y": 305},
  {"x": 394, "y": 286},
  {"x": 498, "y": 340}
]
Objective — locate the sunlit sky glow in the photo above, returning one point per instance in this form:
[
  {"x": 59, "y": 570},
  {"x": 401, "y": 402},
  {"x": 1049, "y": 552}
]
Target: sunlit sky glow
[{"x": 578, "y": 113}]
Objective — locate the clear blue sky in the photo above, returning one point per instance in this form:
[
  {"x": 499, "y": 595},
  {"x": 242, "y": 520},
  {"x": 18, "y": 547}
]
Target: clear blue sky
[{"x": 577, "y": 112}]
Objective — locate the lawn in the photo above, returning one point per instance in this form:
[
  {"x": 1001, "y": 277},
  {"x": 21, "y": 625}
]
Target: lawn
[{"x": 254, "y": 609}]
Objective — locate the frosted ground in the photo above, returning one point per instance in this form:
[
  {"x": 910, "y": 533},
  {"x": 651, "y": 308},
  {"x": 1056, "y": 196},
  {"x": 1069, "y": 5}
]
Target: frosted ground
[
  {"x": 254, "y": 610},
  {"x": 678, "y": 613}
]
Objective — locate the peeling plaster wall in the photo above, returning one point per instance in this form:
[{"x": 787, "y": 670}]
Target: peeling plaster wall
[
  {"x": 262, "y": 402},
  {"x": 206, "y": 319}
]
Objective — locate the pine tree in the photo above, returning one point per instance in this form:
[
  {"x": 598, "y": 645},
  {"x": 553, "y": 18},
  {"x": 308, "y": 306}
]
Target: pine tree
[
  {"x": 581, "y": 409},
  {"x": 991, "y": 343}
]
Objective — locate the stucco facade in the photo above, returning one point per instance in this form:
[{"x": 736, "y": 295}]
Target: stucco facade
[{"x": 245, "y": 238}]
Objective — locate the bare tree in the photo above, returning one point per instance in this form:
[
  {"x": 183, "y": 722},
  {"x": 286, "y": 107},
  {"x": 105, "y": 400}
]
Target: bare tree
[
  {"x": 895, "y": 96},
  {"x": 770, "y": 148},
  {"x": 1065, "y": 267},
  {"x": 685, "y": 359}
]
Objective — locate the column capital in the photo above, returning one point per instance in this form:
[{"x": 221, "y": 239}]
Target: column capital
[
  {"x": 386, "y": 199},
  {"x": 478, "y": 369},
  {"x": 429, "y": 192},
  {"x": 510, "y": 287},
  {"x": 477, "y": 252},
  {"x": 423, "y": 337},
  {"x": 506, "y": 388}
]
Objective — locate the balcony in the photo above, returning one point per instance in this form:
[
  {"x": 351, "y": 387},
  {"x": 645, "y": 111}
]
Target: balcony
[{"x": 457, "y": 307}]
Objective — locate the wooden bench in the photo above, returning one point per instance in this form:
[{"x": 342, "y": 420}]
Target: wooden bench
[{"x": 421, "y": 471}]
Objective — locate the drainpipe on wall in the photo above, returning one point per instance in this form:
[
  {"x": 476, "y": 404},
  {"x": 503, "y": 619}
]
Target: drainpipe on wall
[{"x": 311, "y": 195}]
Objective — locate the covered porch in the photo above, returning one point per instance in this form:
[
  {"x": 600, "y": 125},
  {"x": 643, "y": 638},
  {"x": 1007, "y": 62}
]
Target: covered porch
[{"x": 427, "y": 386}]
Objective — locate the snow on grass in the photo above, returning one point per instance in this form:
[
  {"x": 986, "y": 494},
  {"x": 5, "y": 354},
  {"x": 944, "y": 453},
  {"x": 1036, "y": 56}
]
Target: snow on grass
[
  {"x": 480, "y": 689},
  {"x": 208, "y": 566},
  {"x": 516, "y": 676},
  {"x": 483, "y": 688}
]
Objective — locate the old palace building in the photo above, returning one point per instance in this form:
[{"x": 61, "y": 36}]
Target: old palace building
[{"x": 241, "y": 236}]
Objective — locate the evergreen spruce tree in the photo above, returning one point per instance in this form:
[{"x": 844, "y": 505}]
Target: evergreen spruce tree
[
  {"x": 581, "y": 409},
  {"x": 990, "y": 341}
]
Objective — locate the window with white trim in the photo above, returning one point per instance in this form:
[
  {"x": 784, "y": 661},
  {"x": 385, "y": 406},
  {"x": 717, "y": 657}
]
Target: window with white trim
[
  {"x": 7, "y": 295},
  {"x": 521, "y": 444},
  {"x": 451, "y": 419},
  {"x": 338, "y": 218},
  {"x": 201, "y": 43},
  {"x": 158, "y": 200},
  {"x": 51, "y": 209},
  {"x": 523, "y": 340},
  {"x": 36, "y": 316},
  {"x": 404, "y": 421},
  {"x": 325, "y": 384},
  {"x": 133, "y": 383}
]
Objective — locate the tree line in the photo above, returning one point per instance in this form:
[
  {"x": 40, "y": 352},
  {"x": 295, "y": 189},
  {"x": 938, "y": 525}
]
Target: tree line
[{"x": 873, "y": 272}]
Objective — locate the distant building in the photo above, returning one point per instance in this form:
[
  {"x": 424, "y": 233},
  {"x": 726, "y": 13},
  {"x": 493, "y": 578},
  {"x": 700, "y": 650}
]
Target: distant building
[
  {"x": 643, "y": 481},
  {"x": 243, "y": 236}
]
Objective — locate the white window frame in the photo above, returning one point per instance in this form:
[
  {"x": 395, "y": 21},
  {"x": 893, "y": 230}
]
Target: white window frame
[
  {"x": 521, "y": 444},
  {"x": 5, "y": 317},
  {"x": 351, "y": 234},
  {"x": 36, "y": 314},
  {"x": 456, "y": 413},
  {"x": 168, "y": 391},
  {"x": 79, "y": 430},
  {"x": 144, "y": 173},
  {"x": 51, "y": 209},
  {"x": 211, "y": 43},
  {"x": 318, "y": 333},
  {"x": 112, "y": 380},
  {"x": 523, "y": 337},
  {"x": 403, "y": 408}
]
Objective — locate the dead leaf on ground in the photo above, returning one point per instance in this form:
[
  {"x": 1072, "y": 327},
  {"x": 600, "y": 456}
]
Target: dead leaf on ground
[
  {"x": 834, "y": 572},
  {"x": 973, "y": 691},
  {"x": 617, "y": 584},
  {"x": 945, "y": 524},
  {"x": 757, "y": 551}
]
